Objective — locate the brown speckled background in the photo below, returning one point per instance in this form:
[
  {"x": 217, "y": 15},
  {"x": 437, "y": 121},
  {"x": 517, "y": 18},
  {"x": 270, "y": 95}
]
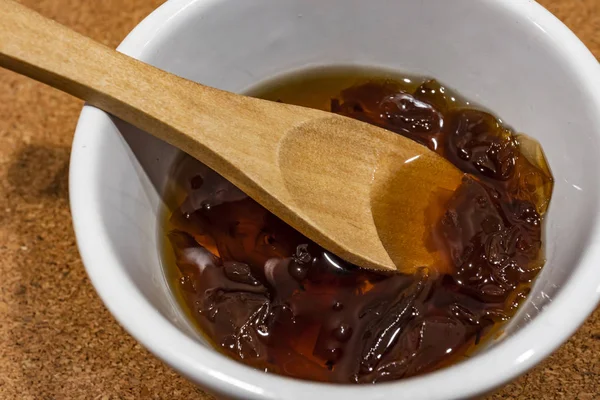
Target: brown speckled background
[{"x": 57, "y": 341}]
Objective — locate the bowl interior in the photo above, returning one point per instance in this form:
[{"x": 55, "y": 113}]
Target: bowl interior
[{"x": 506, "y": 62}]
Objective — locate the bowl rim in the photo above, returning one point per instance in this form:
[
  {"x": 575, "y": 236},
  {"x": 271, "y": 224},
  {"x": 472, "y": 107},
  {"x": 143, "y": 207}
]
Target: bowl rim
[{"x": 515, "y": 355}]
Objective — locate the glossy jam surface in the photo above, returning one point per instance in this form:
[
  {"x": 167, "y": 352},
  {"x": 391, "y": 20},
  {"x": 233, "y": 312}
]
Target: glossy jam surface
[{"x": 269, "y": 297}]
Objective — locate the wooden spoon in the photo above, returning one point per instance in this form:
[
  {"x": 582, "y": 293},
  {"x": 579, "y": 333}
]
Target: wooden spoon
[{"x": 366, "y": 194}]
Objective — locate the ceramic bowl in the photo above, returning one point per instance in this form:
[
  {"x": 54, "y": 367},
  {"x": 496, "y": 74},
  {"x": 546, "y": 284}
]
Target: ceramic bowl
[{"x": 512, "y": 57}]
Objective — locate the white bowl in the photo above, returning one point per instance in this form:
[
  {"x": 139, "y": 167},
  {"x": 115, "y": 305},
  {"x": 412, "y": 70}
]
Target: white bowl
[{"x": 510, "y": 56}]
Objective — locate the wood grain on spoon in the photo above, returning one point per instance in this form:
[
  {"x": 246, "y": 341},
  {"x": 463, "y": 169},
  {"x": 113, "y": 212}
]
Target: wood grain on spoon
[{"x": 364, "y": 193}]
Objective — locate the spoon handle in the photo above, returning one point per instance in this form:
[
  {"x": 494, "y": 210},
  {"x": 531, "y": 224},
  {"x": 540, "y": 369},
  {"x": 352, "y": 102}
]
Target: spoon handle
[
  {"x": 200, "y": 120},
  {"x": 44, "y": 50},
  {"x": 138, "y": 93}
]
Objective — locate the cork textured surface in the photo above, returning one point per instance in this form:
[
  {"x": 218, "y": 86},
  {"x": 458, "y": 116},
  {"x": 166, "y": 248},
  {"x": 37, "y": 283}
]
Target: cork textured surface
[{"x": 57, "y": 341}]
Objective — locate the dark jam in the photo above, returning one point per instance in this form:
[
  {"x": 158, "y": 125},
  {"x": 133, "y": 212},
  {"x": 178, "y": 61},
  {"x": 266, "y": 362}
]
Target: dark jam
[{"x": 269, "y": 297}]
